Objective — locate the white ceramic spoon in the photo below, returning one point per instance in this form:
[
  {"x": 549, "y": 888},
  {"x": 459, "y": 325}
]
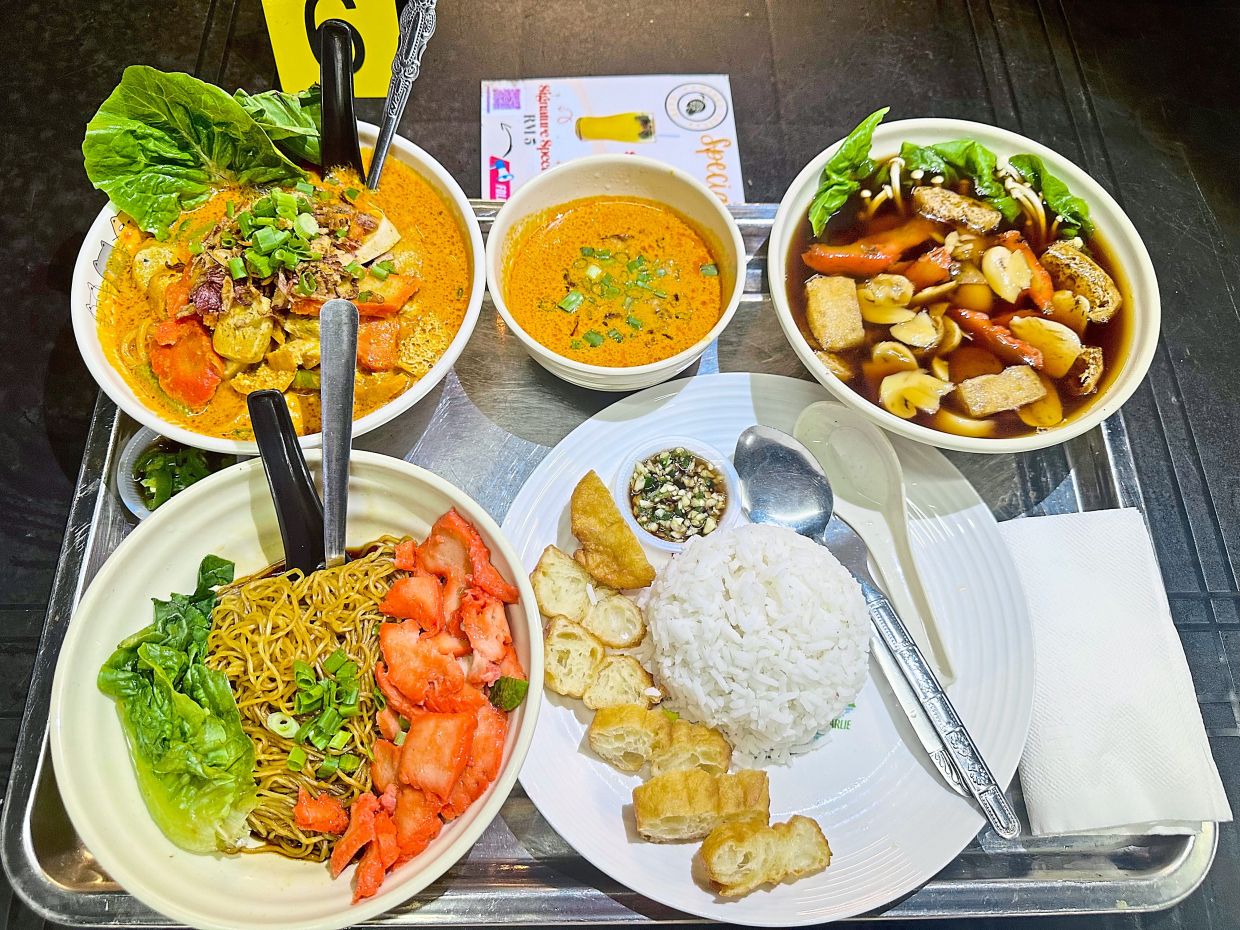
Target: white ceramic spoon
[{"x": 869, "y": 494}]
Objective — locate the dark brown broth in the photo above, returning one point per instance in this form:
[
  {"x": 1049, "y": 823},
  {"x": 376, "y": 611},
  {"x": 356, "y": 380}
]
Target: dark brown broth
[{"x": 846, "y": 226}]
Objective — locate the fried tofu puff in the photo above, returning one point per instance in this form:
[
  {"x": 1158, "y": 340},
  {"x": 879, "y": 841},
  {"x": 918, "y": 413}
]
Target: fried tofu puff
[{"x": 609, "y": 549}]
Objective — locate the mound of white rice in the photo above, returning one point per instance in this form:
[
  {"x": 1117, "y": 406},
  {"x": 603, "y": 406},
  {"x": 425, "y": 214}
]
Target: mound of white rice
[{"x": 761, "y": 633}]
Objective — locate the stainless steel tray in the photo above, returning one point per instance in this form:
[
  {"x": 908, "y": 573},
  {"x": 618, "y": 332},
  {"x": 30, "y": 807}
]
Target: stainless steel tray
[{"x": 485, "y": 428}]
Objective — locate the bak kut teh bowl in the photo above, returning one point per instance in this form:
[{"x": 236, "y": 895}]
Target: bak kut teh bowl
[
  {"x": 1129, "y": 262},
  {"x": 541, "y": 203}
]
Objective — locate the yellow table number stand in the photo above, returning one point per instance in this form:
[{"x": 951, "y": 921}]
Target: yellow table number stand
[{"x": 292, "y": 24}]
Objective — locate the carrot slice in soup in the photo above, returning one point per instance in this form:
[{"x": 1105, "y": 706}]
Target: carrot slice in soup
[
  {"x": 184, "y": 362},
  {"x": 377, "y": 345}
]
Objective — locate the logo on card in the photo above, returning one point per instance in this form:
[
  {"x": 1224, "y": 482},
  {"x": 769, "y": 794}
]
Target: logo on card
[{"x": 500, "y": 175}]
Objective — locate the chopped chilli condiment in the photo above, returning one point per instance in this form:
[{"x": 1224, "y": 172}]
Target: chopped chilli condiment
[{"x": 676, "y": 495}]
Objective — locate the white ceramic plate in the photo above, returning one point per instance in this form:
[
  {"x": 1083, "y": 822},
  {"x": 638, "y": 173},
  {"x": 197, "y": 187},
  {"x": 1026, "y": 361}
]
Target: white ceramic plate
[
  {"x": 230, "y": 514},
  {"x": 892, "y": 824},
  {"x": 92, "y": 260}
]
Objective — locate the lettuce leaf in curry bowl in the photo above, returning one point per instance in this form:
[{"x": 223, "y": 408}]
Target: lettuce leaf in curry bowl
[
  {"x": 292, "y": 121},
  {"x": 161, "y": 142},
  {"x": 193, "y": 760}
]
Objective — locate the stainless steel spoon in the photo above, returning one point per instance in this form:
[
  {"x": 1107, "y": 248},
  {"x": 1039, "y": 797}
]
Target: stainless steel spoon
[
  {"x": 417, "y": 25},
  {"x": 337, "y": 371},
  {"x": 781, "y": 485}
]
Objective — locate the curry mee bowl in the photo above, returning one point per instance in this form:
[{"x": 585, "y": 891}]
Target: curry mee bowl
[
  {"x": 231, "y": 515},
  {"x": 89, "y": 282},
  {"x": 1128, "y": 360},
  {"x": 617, "y": 259}
]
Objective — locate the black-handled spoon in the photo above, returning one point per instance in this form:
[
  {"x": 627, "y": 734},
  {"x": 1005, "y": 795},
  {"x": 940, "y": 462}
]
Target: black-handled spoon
[
  {"x": 297, "y": 503},
  {"x": 340, "y": 145}
]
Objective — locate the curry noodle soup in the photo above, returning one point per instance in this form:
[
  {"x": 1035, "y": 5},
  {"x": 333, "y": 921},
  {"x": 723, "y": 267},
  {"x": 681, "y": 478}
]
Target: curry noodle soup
[
  {"x": 612, "y": 281},
  {"x": 194, "y": 326}
]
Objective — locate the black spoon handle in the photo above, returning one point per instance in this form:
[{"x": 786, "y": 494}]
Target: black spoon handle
[
  {"x": 340, "y": 145},
  {"x": 298, "y": 507}
]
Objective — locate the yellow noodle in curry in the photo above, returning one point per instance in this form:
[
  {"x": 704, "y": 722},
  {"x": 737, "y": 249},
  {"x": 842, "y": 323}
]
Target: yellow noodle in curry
[{"x": 260, "y": 625}]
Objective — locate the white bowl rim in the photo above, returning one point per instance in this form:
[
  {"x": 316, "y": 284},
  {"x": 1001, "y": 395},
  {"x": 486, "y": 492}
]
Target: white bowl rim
[
  {"x": 683, "y": 358},
  {"x": 86, "y": 332},
  {"x": 500, "y": 789},
  {"x": 1143, "y": 285}
]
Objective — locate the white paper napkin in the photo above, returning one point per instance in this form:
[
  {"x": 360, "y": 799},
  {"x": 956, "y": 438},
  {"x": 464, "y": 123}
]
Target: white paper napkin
[{"x": 1117, "y": 744}]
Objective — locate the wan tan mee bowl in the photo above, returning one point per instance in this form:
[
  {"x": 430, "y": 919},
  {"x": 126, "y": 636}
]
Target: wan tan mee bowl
[
  {"x": 1131, "y": 258},
  {"x": 230, "y": 514},
  {"x": 88, "y": 277},
  {"x": 622, "y": 176}
]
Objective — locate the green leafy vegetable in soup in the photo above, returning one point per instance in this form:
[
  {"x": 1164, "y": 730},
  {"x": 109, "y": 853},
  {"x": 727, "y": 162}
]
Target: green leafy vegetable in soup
[
  {"x": 161, "y": 143},
  {"x": 194, "y": 763},
  {"x": 1073, "y": 209},
  {"x": 844, "y": 171},
  {"x": 291, "y": 121}
]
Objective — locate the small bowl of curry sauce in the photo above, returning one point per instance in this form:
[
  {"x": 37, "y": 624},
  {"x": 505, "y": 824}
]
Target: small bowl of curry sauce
[{"x": 615, "y": 272}]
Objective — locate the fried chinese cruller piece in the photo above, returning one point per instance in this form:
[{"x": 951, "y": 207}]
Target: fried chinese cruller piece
[{"x": 609, "y": 549}]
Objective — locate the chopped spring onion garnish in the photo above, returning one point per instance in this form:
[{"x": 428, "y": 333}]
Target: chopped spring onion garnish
[
  {"x": 305, "y": 187},
  {"x": 334, "y": 661},
  {"x": 587, "y": 251},
  {"x": 594, "y": 272},
  {"x": 593, "y": 338},
  {"x": 327, "y": 768},
  {"x": 236, "y": 268},
  {"x": 572, "y": 300},
  {"x": 303, "y": 674},
  {"x": 615, "y": 335},
  {"x": 380, "y": 273},
  {"x": 368, "y": 297},
  {"x": 339, "y": 741},
  {"x": 282, "y": 725},
  {"x": 355, "y": 269},
  {"x": 296, "y": 759},
  {"x": 195, "y": 247},
  {"x": 711, "y": 271},
  {"x": 306, "y": 225},
  {"x": 306, "y": 284},
  {"x": 351, "y": 194},
  {"x": 230, "y": 209},
  {"x": 400, "y": 738},
  {"x": 349, "y": 762},
  {"x": 634, "y": 322}
]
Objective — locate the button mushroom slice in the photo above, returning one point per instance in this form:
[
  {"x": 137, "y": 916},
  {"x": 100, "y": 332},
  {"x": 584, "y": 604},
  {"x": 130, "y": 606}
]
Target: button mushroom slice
[
  {"x": 946, "y": 206},
  {"x": 906, "y": 392},
  {"x": 987, "y": 395},
  {"x": 1086, "y": 372},
  {"x": 1072, "y": 310},
  {"x": 833, "y": 313},
  {"x": 1073, "y": 270},
  {"x": 951, "y": 422},
  {"x": 381, "y": 240},
  {"x": 929, "y": 295},
  {"x": 1058, "y": 344},
  {"x": 921, "y": 332},
  {"x": 1045, "y": 412},
  {"x": 887, "y": 358},
  {"x": 1007, "y": 272},
  {"x": 884, "y": 299}
]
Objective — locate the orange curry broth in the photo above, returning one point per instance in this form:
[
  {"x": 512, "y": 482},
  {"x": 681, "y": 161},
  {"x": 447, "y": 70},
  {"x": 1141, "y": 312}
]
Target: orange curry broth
[
  {"x": 546, "y": 264},
  {"x": 427, "y": 226}
]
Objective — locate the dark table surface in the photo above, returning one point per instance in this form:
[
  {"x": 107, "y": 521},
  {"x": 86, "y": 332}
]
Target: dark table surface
[{"x": 1144, "y": 95}]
